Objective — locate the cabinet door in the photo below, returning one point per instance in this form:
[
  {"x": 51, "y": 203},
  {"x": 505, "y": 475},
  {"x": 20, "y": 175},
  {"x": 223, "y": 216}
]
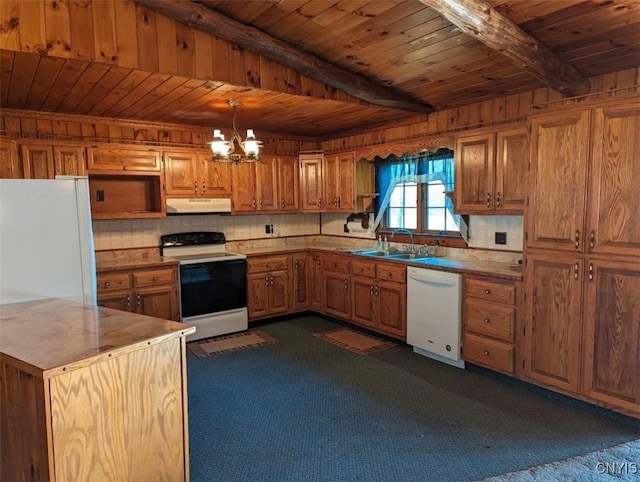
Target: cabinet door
[
  {"x": 317, "y": 284},
  {"x": 70, "y": 160},
  {"x": 311, "y": 183},
  {"x": 279, "y": 293},
  {"x": 118, "y": 300},
  {"x": 554, "y": 308},
  {"x": 123, "y": 159},
  {"x": 159, "y": 301},
  {"x": 288, "y": 183},
  {"x": 10, "y": 165},
  {"x": 337, "y": 294},
  {"x": 614, "y": 195},
  {"x": 363, "y": 311},
  {"x": 244, "y": 187},
  {"x": 512, "y": 154},
  {"x": 258, "y": 295},
  {"x": 559, "y": 153},
  {"x": 392, "y": 308},
  {"x": 301, "y": 281},
  {"x": 181, "y": 174},
  {"x": 37, "y": 161},
  {"x": 267, "y": 196},
  {"x": 215, "y": 177},
  {"x": 339, "y": 182},
  {"x": 611, "y": 365},
  {"x": 474, "y": 173}
]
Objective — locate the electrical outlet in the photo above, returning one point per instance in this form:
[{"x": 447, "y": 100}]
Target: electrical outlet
[
  {"x": 501, "y": 238},
  {"x": 268, "y": 228},
  {"x": 273, "y": 231}
]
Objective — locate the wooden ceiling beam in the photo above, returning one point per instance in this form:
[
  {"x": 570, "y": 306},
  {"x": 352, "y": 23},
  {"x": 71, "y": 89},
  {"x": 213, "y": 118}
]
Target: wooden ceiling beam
[
  {"x": 250, "y": 38},
  {"x": 478, "y": 19}
]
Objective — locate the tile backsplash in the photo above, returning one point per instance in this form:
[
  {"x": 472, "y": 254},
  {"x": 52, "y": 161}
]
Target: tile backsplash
[
  {"x": 482, "y": 231},
  {"x": 138, "y": 233}
]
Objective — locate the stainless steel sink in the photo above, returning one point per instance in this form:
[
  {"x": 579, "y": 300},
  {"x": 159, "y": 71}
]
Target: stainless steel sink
[{"x": 391, "y": 255}]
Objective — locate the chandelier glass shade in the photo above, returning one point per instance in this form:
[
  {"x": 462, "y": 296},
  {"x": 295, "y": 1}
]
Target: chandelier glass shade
[{"x": 235, "y": 149}]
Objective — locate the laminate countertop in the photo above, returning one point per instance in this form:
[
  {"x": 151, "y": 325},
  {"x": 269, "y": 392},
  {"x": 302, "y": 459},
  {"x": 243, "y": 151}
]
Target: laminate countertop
[
  {"x": 457, "y": 265},
  {"x": 134, "y": 263},
  {"x": 53, "y": 336}
]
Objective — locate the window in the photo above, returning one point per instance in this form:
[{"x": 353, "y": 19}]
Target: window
[{"x": 412, "y": 193}]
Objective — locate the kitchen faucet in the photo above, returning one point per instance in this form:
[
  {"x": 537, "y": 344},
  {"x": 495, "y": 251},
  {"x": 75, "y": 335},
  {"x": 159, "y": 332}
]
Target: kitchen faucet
[{"x": 403, "y": 230}]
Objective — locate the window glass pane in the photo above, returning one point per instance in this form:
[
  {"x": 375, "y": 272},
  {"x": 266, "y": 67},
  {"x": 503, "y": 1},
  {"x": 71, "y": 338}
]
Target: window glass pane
[
  {"x": 397, "y": 196},
  {"x": 436, "y": 194},
  {"x": 394, "y": 218},
  {"x": 436, "y": 219},
  {"x": 411, "y": 218},
  {"x": 451, "y": 224},
  {"x": 411, "y": 195}
]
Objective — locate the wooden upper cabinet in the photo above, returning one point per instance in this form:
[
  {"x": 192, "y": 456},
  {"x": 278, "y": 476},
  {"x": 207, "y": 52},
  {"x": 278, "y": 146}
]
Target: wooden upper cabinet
[
  {"x": 614, "y": 191},
  {"x": 611, "y": 366},
  {"x": 109, "y": 158},
  {"x": 267, "y": 192},
  {"x": 289, "y": 183},
  {"x": 474, "y": 173},
  {"x": 181, "y": 174},
  {"x": 243, "y": 181},
  {"x": 37, "y": 161},
  {"x": 311, "y": 182},
  {"x": 512, "y": 162},
  {"x": 193, "y": 174},
  {"x": 10, "y": 163},
  {"x": 558, "y": 179},
  {"x": 70, "y": 160},
  {"x": 491, "y": 171},
  {"x": 339, "y": 182},
  {"x": 554, "y": 318}
]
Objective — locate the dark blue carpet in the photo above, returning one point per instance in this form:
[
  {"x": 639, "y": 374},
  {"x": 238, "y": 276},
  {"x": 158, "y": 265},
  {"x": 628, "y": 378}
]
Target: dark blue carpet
[{"x": 305, "y": 410}]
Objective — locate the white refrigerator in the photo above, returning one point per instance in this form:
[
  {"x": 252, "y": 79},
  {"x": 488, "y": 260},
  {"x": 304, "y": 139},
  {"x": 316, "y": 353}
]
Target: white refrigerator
[{"x": 46, "y": 240}]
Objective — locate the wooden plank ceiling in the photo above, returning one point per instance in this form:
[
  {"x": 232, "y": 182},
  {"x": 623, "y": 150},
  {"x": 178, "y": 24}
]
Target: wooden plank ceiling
[{"x": 398, "y": 44}]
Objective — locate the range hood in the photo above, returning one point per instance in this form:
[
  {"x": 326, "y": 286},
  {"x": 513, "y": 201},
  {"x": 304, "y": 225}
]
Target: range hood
[{"x": 198, "y": 205}]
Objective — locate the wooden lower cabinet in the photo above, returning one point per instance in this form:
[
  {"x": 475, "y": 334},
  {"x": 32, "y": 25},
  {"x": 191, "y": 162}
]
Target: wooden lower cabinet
[
  {"x": 337, "y": 286},
  {"x": 582, "y": 333},
  {"x": 301, "y": 290},
  {"x": 316, "y": 282},
  {"x": 611, "y": 357},
  {"x": 152, "y": 292},
  {"x": 268, "y": 286},
  {"x": 379, "y": 300},
  {"x": 489, "y": 326}
]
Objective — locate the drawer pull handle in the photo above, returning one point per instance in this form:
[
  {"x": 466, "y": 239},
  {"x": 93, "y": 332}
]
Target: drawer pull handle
[
  {"x": 485, "y": 353},
  {"x": 486, "y": 320},
  {"x": 155, "y": 278},
  {"x": 107, "y": 283},
  {"x": 389, "y": 274},
  {"x": 487, "y": 292}
]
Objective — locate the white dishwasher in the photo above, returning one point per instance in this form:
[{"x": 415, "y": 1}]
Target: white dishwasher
[{"x": 434, "y": 324}]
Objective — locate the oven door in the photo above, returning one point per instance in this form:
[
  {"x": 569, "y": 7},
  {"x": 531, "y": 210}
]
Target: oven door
[{"x": 212, "y": 287}]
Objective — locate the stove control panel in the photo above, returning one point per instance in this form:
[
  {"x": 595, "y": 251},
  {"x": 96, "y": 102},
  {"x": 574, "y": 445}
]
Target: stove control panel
[{"x": 194, "y": 238}]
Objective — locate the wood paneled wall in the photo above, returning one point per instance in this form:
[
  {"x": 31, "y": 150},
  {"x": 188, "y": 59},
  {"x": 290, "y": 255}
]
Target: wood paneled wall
[
  {"x": 510, "y": 108},
  {"x": 42, "y": 125},
  {"x": 125, "y": 34}
]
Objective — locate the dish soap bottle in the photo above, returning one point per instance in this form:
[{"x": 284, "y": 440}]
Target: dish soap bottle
[
  {"x": 385, "y": 244},
  {"x": 379, "y": 243}
]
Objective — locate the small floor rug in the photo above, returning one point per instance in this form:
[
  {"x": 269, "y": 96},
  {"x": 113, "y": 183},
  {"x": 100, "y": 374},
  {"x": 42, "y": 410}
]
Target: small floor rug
[
  {"x": 355, "y": 341},
  {"x": 228, "y": 343},
  {"x": 618, "y": 463}
]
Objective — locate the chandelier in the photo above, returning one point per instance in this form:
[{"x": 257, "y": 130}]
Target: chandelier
[{"x": 235, "y": 149}]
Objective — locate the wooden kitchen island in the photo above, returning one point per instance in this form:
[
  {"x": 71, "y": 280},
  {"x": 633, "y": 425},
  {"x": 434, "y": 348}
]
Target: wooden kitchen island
[{"x": 91, "y": 393}]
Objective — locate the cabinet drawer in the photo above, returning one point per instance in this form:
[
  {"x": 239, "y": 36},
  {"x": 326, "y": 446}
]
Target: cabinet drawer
[
  {"x": 118, "y": 280},
  {"x": 361, "y": 268},
  {"x": 391, "y": 272},
  {"x": 337, "y": 263},
  {"x": 489, "y": 353},
  {"x": 154, "y": 277},
  {"x": 258, "y": 265},
  {"x": 490, "y": 290},
  {"x": 491, "y": 319}
]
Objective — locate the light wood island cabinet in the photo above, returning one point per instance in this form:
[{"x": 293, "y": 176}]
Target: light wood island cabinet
[{"x": 91, "y": 393}]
